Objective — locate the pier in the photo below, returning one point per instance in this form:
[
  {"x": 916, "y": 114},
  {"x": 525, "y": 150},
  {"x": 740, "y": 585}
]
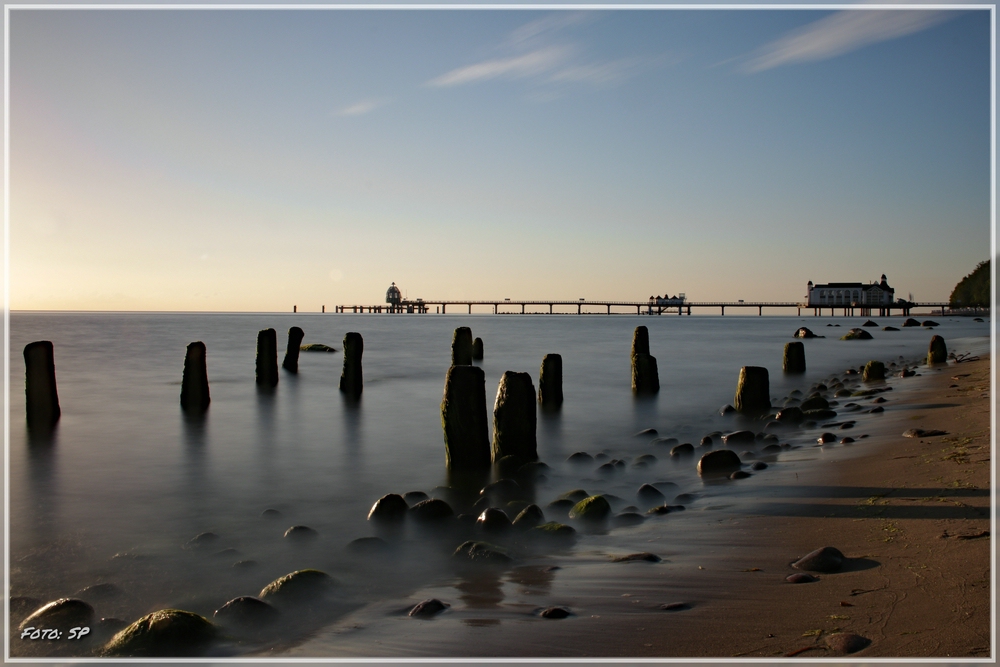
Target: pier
[{"x": 662, "y": 307}]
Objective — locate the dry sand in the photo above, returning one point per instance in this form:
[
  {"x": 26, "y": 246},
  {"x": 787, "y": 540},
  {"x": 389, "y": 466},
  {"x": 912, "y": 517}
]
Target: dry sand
[{"x": 915, "y": 514}]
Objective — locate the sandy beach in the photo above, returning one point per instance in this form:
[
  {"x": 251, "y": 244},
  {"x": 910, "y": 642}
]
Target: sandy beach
[{"x": 911, "y": 516}]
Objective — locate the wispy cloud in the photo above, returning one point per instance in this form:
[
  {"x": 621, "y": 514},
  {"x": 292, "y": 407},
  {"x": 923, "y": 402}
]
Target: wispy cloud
[
  {"x": 841, "y": 33},
  {"x": 514, "y": 67},
  {"x": 361, "y": 108},
  {"x": 548, "y": 24}
]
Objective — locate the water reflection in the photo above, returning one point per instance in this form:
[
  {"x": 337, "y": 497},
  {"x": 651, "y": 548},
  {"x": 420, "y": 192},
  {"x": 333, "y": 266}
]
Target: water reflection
[
  {"x": 42, "y": 446},
  {"x": 644, "y": 410},
  {"x": 481, "y": 589},
  {"x": 552, "y": 430},
  {"x": 535, "y": 580},
  {"x": 353, "y": 416}
]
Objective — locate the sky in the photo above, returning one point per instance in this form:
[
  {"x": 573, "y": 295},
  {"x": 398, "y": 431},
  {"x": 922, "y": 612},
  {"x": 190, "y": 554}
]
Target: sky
[{"x": 238, "y": 160}]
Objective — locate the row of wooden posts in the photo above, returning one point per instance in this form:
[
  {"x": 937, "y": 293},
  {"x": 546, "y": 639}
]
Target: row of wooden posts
[{"x": 463, "y": 408}]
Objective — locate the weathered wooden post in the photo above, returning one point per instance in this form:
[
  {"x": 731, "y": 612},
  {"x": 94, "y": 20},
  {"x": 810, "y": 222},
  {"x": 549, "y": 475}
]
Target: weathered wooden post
[
  {"x": 41, "y": 397},
  {"x": 194, "y": 382},
  {"x": 514, "y": 418},
  {"x": 461, "y": 347},
  {"x": 645, "y": 376},
  {"x": 267, "y": 357},
  {"x": 550, "y": 393},
  {"x": 640, "y": 341},
  {"x": 937, "y": 351},
  {"x": 874, "y": 370},
  {"x": 477, "y": 349},
  {"x": 291, "y": 362},
  {"x": 753, "y": 391},
  {"x": 351, "y": 378},
  {"x": 463, "y": 418},
  {"x": 794, "y": 360}
]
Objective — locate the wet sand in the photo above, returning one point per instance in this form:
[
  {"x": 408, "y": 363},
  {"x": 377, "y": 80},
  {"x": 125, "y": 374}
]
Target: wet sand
[{"x": 912, "y": 516}]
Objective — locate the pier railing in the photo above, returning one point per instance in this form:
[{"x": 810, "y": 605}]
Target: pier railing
[{"x": 661, "y": 307}]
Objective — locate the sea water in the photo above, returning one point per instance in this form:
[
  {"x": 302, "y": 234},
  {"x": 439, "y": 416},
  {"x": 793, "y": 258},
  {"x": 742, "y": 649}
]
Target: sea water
[{"x": 117, "y": 493}]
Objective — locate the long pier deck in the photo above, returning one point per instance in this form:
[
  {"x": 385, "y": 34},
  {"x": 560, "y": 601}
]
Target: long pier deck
[{"x": 510, "y": 306}]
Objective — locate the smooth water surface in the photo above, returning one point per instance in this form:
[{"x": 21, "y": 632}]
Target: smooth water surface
[{"x": 126, "y": 481}]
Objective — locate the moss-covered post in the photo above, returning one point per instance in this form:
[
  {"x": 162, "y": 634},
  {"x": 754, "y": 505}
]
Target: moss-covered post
[
  {"x": 477, "y": 349},
  {"x": 41, "y": 397},
  {"x": 463, "y": 417},
  {"x": 645, "y": 376},
  {"x": 753, "y": 391},
  {"x": 874, "y": 371},
  {"x": 514, "y": 418},
  {"x": 461, "y": 347},
  {"x": 291, "y": 362},
  {"x": 194, "y": 382},
  {"x": 267, "y": 357},
  {"x": 550, "y": 393},
  {"x": 937, "y": 351},
  {"x": 795, "y": 358},
  {"x": 352, "y": 378}
]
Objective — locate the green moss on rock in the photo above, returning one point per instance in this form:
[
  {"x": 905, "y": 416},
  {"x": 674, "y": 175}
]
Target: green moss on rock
[{"x": 592, "y": 508}]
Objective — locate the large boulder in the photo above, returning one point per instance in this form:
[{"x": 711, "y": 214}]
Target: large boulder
[
  {"x": 805, "y": 332},
  {"x": 592, "y": 508},
  {"x": 719, "y": 462},
  {"x": 910, "y": 322},
  {"x": 390, "y": 508},
  {"x": 297, "y": 587},
  {"x": 164, "y": 633},
  {"x": 856, "y": 334},
  {"x": 61, "y": 614}
]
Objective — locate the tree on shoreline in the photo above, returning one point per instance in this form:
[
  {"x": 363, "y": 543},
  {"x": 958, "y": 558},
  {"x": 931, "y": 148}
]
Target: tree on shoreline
[{"x": 973, "y": 289}]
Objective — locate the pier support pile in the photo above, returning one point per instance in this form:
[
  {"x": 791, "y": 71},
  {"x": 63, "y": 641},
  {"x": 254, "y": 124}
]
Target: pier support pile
[
  {"x": 463, "y": 417},
  {"x": 194, "y": 382},
  {"x": 753, "y": 391},
  {"x": 795, "y": 358},
  {"x": 514, "y": 419},
  {"x": 461, "y": 347},
  {"x": 352, "y": 377},
  {"x": 645, "y": 377},
  {"x": 550, "y": 393},
  {"x": 291, "y": 362},
  {"x": 41, "y": 397},
  {"x": 267, "y": 358}
]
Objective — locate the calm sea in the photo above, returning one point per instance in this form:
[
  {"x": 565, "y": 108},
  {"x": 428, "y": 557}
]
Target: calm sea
[{"x": 126, "y": 481}]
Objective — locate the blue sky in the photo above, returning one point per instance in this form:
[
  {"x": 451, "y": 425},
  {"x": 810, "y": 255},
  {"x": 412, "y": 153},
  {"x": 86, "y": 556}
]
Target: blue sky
[{"x": 251, "y": 160}]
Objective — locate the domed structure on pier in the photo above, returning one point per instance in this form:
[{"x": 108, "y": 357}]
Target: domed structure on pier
[{"x": 392, "y": 295}]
